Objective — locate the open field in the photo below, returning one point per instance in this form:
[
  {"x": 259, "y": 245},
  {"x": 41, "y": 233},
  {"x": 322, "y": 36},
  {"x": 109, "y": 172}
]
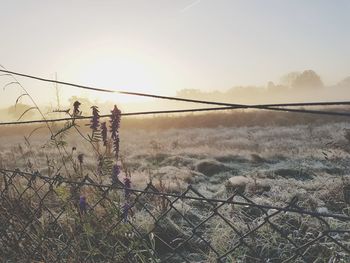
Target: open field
[
  {"x": 301, "y": 159},
  {"x": 271, "y": 165}
]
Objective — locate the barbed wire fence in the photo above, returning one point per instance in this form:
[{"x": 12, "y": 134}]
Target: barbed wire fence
[
  {"x": 221, "y": 106},
  {"x": 43, "y": 220},
  {"x": 55, "y": 219}
]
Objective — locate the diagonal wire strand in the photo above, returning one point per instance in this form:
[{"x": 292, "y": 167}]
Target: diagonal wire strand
[
  {"x": 265, "y": 106},
  {"x": 317, "y": 112}
]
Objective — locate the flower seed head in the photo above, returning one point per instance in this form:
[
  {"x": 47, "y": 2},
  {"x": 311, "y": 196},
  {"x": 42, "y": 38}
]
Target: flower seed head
[{"x": 95, "y": 121}]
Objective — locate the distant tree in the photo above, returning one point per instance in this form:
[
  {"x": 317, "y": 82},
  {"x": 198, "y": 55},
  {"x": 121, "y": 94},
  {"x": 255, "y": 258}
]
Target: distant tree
[
  {"x": 289, "y": 79},
  {"x": 307, "y": 79},
  {"x": 189, "y": 93},
  {"x": 271, "y": 85},
  {"x": 344, "y": 83}
]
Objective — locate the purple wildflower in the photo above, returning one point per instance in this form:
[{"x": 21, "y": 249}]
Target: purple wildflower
[
  {"x": 115, "y": 173},
  {"x": 116, "y": 147},
  {"x": 76, "y": 111},
  {"x": 115, "y": 121},
  {"x": 95, "y": 121},
  {"x": 125, "y": 211},
  {"x": 104, "y": 133},
  {"x": 127, "y": 186},
  {"x": 82, "y": 204},
  {"x": 115, "y": 125}
]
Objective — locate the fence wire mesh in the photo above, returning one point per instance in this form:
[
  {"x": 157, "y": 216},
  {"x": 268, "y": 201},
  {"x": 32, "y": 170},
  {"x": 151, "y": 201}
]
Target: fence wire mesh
[{"x": 52, "y": 219}]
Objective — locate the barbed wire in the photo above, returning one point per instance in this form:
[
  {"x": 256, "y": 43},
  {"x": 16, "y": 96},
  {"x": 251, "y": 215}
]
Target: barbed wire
[
  {"x": 140, "y": 113},
  {"x": 228, "y": 106}
]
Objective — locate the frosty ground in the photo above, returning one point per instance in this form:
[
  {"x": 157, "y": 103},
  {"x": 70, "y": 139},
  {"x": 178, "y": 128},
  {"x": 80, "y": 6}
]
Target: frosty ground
[{"x": 273, "y": 164}]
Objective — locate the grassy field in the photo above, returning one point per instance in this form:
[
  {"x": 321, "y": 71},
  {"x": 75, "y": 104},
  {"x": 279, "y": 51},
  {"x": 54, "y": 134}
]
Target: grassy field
[
  {"x": 294, "y": 160},
  {"x": 272, "y": 164}
]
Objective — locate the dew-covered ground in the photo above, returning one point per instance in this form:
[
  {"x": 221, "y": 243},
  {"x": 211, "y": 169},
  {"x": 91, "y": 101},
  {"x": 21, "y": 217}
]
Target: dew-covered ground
[
  {"x": 268, "y": 165},
  {"x": 281, "y": 162}
]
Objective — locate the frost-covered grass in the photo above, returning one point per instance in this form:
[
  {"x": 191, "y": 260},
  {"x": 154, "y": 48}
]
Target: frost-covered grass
[
  {"x": 270, "y": 165},
  {"x": 293, "y": 160}
]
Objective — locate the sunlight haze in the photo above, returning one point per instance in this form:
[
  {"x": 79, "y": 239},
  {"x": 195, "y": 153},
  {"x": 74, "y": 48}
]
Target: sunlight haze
[{"x": 166, "y": 46}]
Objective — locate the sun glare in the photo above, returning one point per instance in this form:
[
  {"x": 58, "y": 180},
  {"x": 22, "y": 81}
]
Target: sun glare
[{"x": 118, "y": 72}]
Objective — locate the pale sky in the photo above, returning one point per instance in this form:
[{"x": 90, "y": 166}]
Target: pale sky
[{"x": 161, "y": 46}]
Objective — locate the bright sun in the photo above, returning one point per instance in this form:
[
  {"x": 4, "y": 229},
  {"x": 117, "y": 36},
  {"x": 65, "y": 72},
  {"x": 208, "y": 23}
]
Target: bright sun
[{"x": 118, "y": 72}]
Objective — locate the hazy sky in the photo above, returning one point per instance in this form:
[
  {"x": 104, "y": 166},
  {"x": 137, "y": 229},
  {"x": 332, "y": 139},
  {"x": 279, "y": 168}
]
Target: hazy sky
[{"x": 163, "y": 46}]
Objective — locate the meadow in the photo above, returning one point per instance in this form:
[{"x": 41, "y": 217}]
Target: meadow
[
  {"x": 271, "y": 162},
  {"x": 312, "y": 157}
]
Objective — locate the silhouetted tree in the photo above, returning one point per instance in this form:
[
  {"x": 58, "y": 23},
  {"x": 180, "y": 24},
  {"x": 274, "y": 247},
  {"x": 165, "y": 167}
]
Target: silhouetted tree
[
  {"x": 288, "y": 79},
  {"x": 307, "y": 79}
]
